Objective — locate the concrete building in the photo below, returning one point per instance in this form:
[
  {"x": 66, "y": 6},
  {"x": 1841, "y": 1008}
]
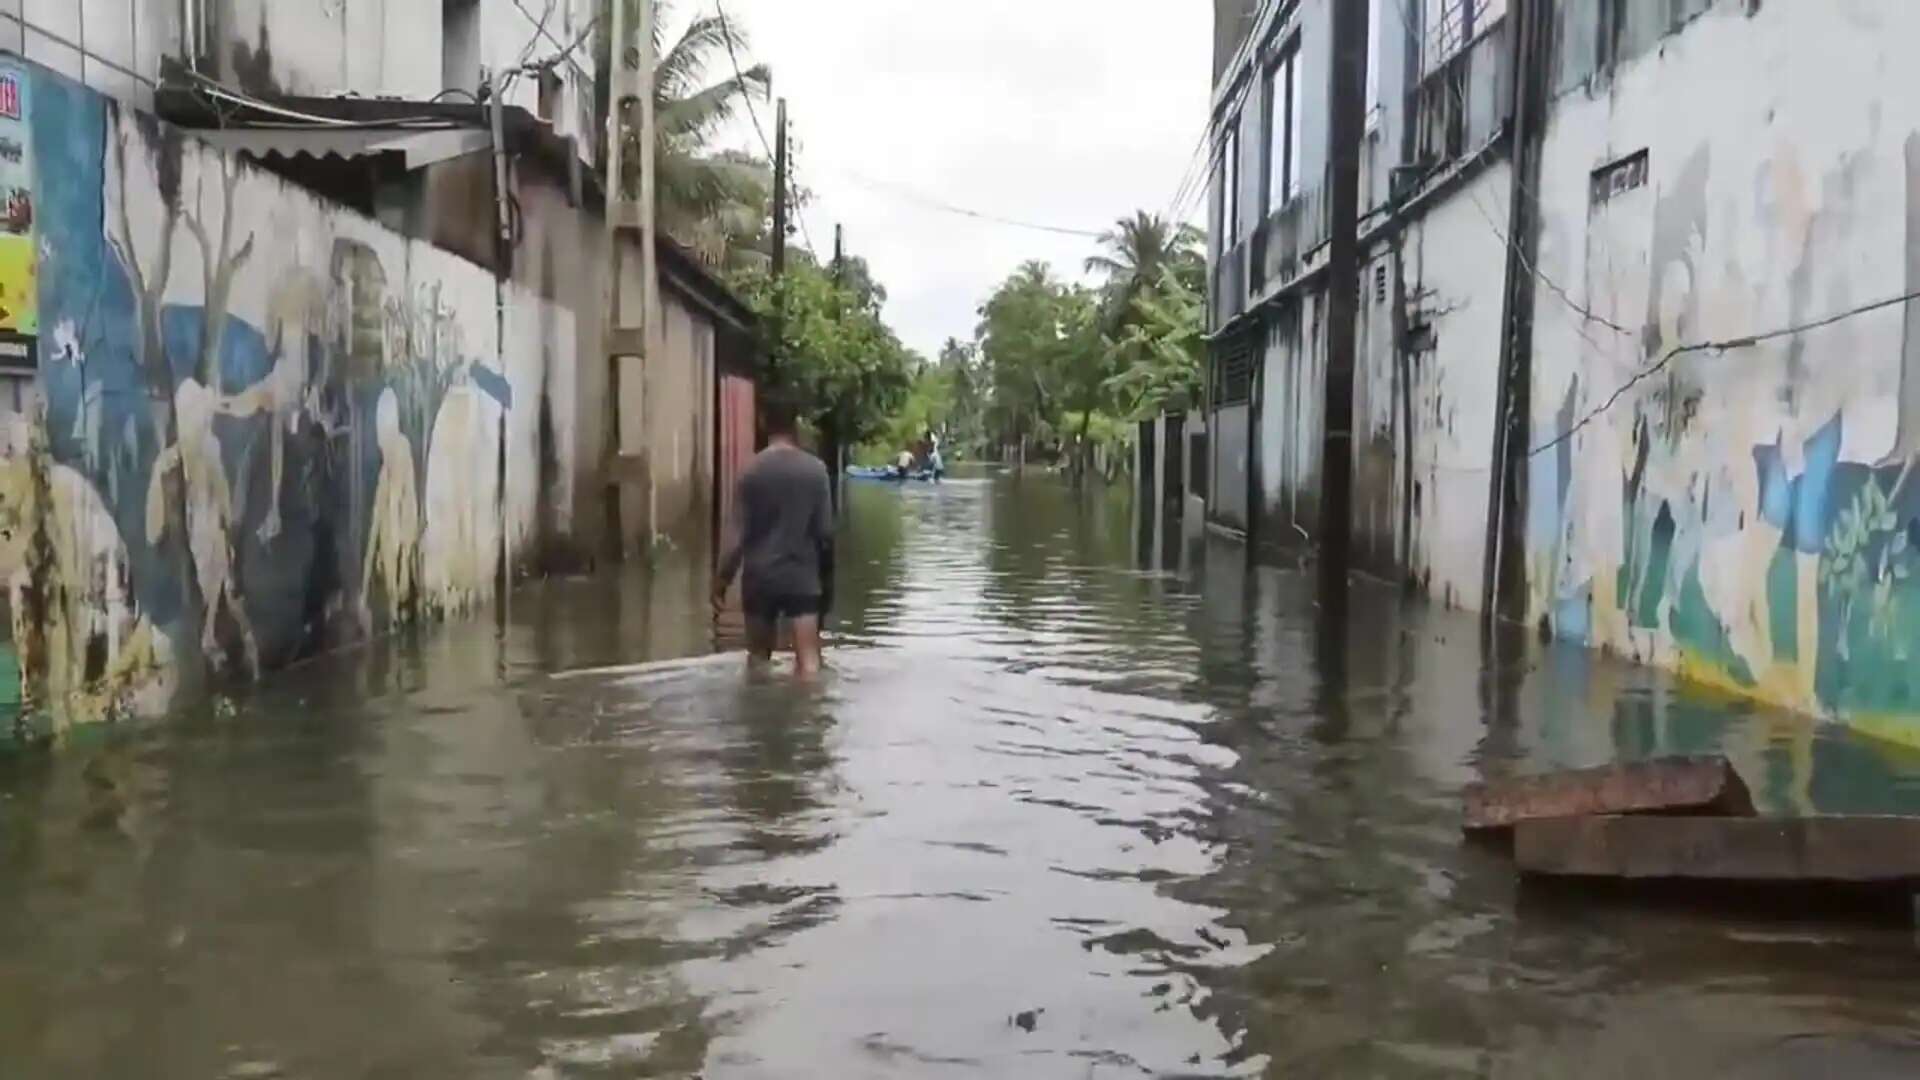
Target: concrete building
[
  {"x": 281, "y": 363},
  {"x": 407, "y": 50},
  {"x": 1637, "y": 363}
]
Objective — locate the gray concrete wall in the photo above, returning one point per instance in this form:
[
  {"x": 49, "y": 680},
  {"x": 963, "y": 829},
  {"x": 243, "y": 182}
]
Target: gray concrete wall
[
  {"x": 374, "y": 48},
  {"x": 113, "y": 46}
]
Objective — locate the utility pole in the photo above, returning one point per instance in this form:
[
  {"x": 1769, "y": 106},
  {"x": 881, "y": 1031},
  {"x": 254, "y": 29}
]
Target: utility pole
[
  {"x": 1503, "y": 577},
  {"x": 631, "y": 336},
  {"x": 1346, "y": 126},
  {"x": 779, "y": 232},
  {"x": 780, "y": 189},
  {"x": 836, "y": 457}
]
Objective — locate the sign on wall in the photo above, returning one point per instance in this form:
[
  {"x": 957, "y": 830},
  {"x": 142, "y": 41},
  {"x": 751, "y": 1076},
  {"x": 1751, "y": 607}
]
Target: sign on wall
[{"x": 19, "y": 287}]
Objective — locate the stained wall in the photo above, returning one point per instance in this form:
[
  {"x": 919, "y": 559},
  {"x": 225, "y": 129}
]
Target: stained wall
[
  {"x": 260, "y": 424},
  {"x": 1722, "y": 478}
]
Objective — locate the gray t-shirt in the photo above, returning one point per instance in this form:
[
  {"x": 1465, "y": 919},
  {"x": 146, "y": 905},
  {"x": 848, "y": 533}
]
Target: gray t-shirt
[{"x": 785, "y": 509}]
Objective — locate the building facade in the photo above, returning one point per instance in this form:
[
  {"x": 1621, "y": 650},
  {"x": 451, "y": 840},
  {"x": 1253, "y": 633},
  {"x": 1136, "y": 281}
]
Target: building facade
[
  {"x": 1637, "y": 360},
  {"x": 283, "y": 363}
]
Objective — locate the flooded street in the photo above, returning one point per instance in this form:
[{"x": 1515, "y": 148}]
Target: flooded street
[{"x": 1050, "y": 815}]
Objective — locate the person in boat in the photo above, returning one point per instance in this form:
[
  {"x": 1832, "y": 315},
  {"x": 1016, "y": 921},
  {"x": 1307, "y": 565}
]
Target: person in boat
[
  {"x": 903, "y": 465},
  {"x": 784, "y": 551}
]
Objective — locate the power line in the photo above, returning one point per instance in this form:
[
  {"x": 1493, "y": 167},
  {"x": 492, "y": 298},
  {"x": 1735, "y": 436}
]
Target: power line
[
  {"x": 726, "y": 33},
  {"x": 1727, "y": 345},
  {"x": 562, "y": 56},
  {"x": 746, "y": 93},
  {"x": 793, "y": 200},
  {"x": 1195, "y": 183},
  {"x": 539, "y": 29},
  {"x": 941, "y": 205}
]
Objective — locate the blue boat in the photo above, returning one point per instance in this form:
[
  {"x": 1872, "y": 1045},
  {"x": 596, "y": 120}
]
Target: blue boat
[{"x": 887, "y": 474}]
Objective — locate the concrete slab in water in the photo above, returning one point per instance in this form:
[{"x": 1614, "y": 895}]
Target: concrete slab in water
[
  {"x": 1864, "y": 850},
  {"x": 1681, "y": 785}
]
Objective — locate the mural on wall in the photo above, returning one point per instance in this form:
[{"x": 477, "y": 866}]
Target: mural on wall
[
  {"x": 1748, "y": 515},
  {"x": 264, "y": 424},
  {"x": 19, "y": 256}
]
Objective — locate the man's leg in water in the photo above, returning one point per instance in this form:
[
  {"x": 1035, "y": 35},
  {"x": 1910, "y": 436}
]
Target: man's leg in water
[
  {"x": 806, "y": 645},
  {"x": 761, "y": 634}
]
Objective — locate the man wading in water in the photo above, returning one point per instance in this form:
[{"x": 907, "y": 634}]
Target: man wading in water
[{"x": 784, "y": 553}]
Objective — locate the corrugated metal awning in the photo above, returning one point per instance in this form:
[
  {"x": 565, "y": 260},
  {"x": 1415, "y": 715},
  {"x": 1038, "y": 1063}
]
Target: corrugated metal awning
[{"x": 418, "y": 148}]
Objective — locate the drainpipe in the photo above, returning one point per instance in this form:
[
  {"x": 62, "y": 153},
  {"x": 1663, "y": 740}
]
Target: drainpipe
[{"x": 1503, "y": 580}]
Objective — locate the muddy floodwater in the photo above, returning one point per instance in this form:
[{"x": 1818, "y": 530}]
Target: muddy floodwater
[{"x": 1050, "y": 815}]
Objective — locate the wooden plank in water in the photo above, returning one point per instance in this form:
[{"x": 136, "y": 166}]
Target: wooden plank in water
[
  {"x": 1679, "y": 785},
  {"x": 1833, "y": 849}
]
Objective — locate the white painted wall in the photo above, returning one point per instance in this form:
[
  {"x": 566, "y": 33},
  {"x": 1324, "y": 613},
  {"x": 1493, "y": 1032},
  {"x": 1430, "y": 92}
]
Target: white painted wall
[
  {"x": 1455, "y": 260},
  {"x": 1293, "y": 384},
  {"x": 1778, "y": 194}
]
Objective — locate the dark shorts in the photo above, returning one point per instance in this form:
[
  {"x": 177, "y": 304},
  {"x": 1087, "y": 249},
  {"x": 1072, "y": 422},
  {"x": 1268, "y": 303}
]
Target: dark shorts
[{"x": 772, "y": 607}]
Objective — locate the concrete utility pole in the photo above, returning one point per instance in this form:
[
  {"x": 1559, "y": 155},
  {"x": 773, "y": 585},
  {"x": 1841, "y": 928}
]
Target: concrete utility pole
[
  {"x": 1503, "y": 578},
  {"x": 780, "y": 188},
  {"x": 632, "y": 337},
  {"x": 1347, "y": 82}
]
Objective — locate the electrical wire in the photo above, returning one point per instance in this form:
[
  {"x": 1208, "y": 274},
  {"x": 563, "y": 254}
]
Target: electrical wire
[
  {"x": 1667, "y": 358},
  {"x": 539, "y": 31},
  {"x": 216, "y": 90},
  {"x": 558, "y": 58},
  {"x": 1728, "y": 345},
  {"x": 941, "y": 205},
  {"x": 1194, "y": 184},
  {"x": 726, "y": 32},
  {"x": 746, "y": 94}
]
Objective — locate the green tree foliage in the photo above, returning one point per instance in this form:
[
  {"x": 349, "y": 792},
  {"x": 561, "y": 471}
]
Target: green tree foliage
[
  {"x": 832, "y": 353},
  {"x": 966, "y": 384},
  {"x": 715, "y": 202},
  {"x": 1159, "y": 351},
  {"x": 1059, "y": 368},
  {"x": 1139, "y": 253}
]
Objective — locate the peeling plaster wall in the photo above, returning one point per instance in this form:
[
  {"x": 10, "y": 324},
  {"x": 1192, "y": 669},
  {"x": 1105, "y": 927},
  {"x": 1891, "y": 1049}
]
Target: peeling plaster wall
[
  {"x": 267, "y": 425},
  {"x": 1746, "y": 516},
  {"x": 1454, "y": 261},
  {"x": 1293, "y": 389}
]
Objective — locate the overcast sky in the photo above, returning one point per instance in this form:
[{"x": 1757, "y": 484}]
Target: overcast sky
[{"x": 1068, "y": 113}]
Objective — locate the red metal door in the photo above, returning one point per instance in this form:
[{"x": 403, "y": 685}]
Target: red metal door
[{"x": 737, "y": 434}]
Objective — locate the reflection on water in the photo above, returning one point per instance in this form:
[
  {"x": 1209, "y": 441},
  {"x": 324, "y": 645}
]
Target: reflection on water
[{"x": 1048, "y": 816}]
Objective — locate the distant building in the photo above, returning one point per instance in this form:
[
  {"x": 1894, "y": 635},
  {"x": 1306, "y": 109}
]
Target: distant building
[{"x": 1634, "y": 365}]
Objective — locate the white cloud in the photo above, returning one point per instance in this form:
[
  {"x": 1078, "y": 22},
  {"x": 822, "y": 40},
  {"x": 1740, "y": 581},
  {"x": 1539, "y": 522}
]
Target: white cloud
[{"x": 1061, "y": 112}]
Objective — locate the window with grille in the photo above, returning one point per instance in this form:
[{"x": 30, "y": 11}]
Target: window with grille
[{"x": 1233, "y": 374}]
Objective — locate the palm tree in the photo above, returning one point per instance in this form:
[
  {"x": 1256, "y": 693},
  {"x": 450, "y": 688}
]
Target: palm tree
[
  {"x": 1137, "y": 252},
  {"x": 714, "y": 202}
]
